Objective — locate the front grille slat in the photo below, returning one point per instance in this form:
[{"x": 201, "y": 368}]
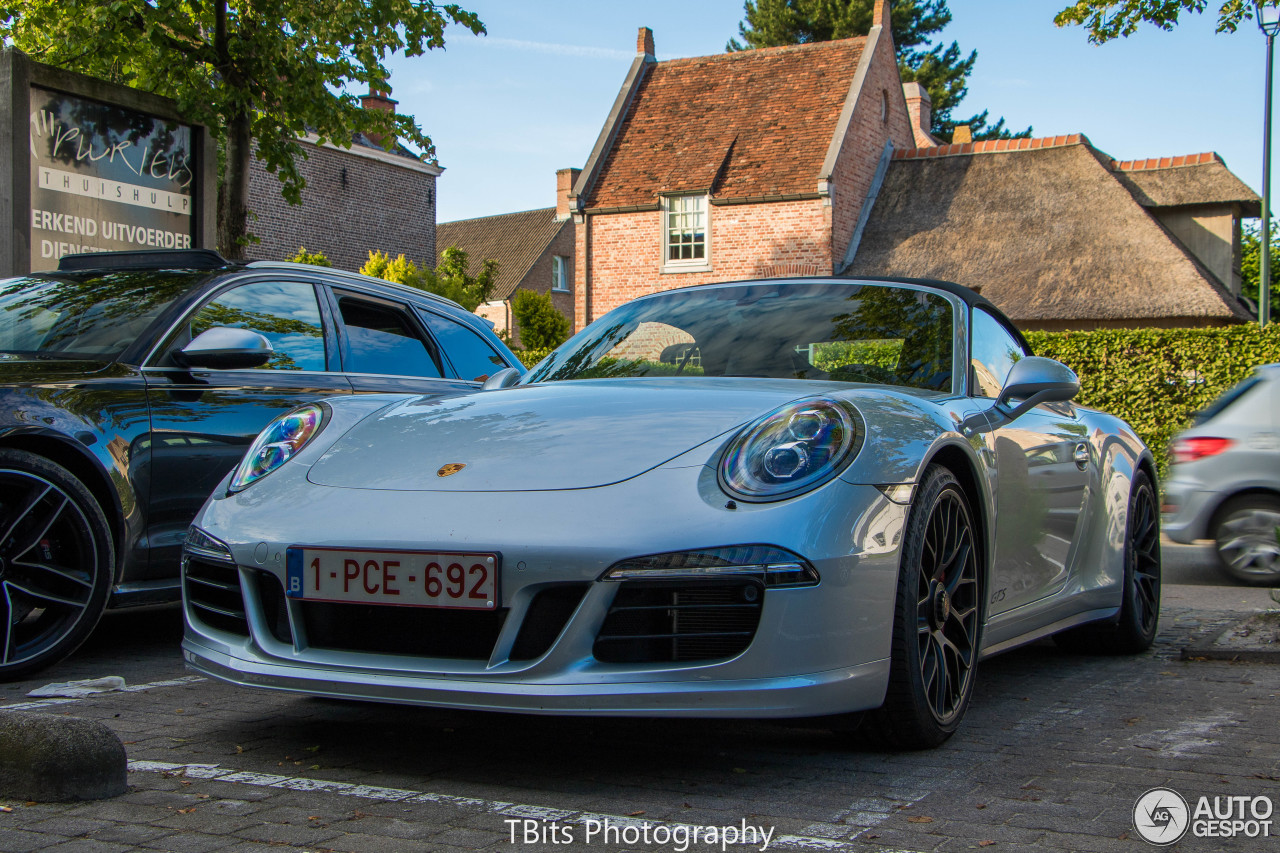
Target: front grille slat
[
  {"x": 213, "y": 591},
  {"x": 678, "y": 621}
]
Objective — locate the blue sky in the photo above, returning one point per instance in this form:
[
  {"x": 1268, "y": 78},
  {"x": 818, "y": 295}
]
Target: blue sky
[{"x": 508, "y": 109}]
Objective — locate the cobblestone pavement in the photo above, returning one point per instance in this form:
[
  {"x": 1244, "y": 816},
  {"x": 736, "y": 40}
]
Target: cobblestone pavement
[{"x": 1054, "y": 753}]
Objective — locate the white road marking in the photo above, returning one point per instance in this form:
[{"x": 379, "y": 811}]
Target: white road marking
[
  {"x": 401, "y": 795},
  {"x": 136, "y": 688}
]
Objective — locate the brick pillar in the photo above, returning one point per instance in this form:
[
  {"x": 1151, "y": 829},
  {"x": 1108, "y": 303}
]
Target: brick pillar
[
  {"x": 378, "y": 100},
  {"x": 920, "y": 108},
  {"x": 565, "y": 179},
  {"x": 644, "y": 42},
  {"x": 880, "y": 13}
]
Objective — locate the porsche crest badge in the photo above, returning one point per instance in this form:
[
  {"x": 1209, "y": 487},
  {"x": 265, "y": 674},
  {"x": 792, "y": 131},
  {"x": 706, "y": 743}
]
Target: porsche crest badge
[{"x": 451, "y": 468}]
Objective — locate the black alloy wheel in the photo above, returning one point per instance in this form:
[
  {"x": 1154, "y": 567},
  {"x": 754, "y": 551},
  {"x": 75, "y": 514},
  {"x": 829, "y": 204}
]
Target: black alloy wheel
[
  {"x": 1134, "y": 628},
  {"x": 56, "y": 563},
  {"x": 937, "y": 620}
]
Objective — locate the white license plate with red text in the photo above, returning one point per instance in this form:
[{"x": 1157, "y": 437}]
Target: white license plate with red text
[{"x": 402, "y": 578}]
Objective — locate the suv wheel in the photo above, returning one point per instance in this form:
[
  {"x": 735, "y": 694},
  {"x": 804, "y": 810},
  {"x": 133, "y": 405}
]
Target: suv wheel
[
  {"x": 56, "y": 563},
  {"x": 1245, "y": 533}
]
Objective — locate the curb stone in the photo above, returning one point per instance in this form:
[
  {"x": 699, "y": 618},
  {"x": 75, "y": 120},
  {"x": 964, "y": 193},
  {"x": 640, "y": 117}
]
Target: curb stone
[
  {"x": 1233, "y": 643},
  {"x": 49, "y": 758}
]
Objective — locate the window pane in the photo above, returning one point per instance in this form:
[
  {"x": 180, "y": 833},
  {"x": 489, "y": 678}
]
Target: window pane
[
  {"x": 382, "y": 339},
  {"x": 285, "y": 313},
  {"x": 473, "y": 358},
  {"x": 686, "y": 228},
  {"x": 994, "y": 352}
]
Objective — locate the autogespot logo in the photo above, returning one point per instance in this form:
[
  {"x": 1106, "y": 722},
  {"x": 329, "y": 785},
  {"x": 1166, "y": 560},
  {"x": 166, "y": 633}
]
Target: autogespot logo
[{"x": 1161, "y": 816}]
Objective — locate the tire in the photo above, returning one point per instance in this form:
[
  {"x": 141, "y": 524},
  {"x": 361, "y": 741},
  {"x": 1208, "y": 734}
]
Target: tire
[
  {"x": 937, "y": 621},
  {"x": 1244, "y": 534},
  {"x": 1135, "y": 628},
  {"x": 57, "y": 561}
]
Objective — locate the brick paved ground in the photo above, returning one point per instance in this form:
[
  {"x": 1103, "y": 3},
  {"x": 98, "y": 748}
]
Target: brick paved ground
[{"x": 1053, "y": 755}]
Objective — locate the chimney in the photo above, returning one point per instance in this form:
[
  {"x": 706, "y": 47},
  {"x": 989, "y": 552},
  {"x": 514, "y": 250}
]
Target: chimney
[
  {"x": 920, "y": 108},
  {"x": 644, "y": 43},
  {"x": 880, "y": 13},
  {"x": 565, "y": 179},
  {"x": 961, "y": 135},
  {"x": 377, "y": 100}
]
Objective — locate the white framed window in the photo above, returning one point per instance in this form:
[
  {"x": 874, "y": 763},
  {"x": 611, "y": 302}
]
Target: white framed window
[
  {"x": 559, "y": 273},
  {"x": 686, "y": 235}
]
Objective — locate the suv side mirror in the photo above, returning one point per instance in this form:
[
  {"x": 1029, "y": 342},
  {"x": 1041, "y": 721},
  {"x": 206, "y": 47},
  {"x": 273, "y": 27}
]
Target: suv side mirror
[
  {"x": 1032, "y": 380},
  {"x": 504, "y": 378},
  {"x": 224, "y": 348}
]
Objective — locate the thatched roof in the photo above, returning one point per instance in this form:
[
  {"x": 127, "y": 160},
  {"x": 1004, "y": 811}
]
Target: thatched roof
[
  {"x": 1044, "y": 228},
  {"x": 514, "y": 240},
  {"x": 749, "y": 124},
  {"x": 1183, "y": 181}
]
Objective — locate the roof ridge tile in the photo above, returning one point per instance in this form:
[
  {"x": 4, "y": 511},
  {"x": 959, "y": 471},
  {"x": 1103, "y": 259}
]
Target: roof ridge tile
[{"x": 1202, "y": 159}]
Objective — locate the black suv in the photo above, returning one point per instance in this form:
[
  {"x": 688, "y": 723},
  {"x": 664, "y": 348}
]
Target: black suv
[{"x": 132, "y": 382}]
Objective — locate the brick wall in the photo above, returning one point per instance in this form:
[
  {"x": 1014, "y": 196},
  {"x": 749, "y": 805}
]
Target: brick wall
[
  {"x": 352, "y": 204},
  {"x": 863, "y": 144},
  {"x": 747, "y": 241}
]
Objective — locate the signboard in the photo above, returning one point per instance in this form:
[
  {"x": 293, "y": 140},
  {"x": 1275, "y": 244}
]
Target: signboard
[{"x": 106, "y": 178}]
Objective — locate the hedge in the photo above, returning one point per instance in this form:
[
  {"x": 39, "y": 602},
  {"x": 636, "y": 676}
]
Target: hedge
[{"x": 1157, "y": 379}]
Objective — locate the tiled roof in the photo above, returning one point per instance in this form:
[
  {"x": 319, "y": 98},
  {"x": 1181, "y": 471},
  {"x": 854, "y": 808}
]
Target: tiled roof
[
  {"x": 988, "y": 146},
  {"x": 1048, "y": 231},
  {"x": 756, "y": 123},
  {"x": 514, "y": 240}
]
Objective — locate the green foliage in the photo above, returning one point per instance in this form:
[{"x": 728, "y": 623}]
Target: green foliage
[
  {"x": 1251, "y": 266},
  {"x": 316, "y": 259},
  {"x": 1156, "y": 379},
  {"x": 942, "y": 69},
  {"x": 530, "y": 357},
  {"x": 260, "y": 73},
  {"x": 449, "y": 279},
  {"x": 541, "y": 326},
  {"x": 1107, "y": 19}
]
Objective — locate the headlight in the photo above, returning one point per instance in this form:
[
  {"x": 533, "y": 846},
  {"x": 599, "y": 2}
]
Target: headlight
[
  {"x": 277, "y": 444},
  {"x": 794, "y": 448}
]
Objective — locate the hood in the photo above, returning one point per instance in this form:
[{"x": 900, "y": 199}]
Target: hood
[
  {"x": 29, "y": 369},
  {"x": 561, "y": 435}
]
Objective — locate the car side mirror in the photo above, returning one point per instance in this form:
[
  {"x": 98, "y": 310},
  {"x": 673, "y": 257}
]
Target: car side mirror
[
  {"x": 504, "y": 378},
  {"x": 224, "y": 348},
  {"x": 1032, "y": 380}
]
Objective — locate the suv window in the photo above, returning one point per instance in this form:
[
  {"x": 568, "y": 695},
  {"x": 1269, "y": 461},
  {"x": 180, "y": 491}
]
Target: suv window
[
  {"x": 1228, "y": 397},
  {"x": 95, "y": 315},
  {"x": 994, "y": 352},
  {"x": 383, "y": 338},
  {"x": 470, "y": 355},
  {"x": 284, "y": 312}
]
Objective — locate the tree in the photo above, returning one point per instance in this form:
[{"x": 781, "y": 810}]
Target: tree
[
  {"x": 316, "y": 259},
  {"x": 541, "y": 325},
  {"x": 259, "y": 73},
  {"x": 1251, "y": 266},
  {"x": 449, "y": 279},
  {"x": 942, "y": 70},
  {"x": 1105, "y": 21}
]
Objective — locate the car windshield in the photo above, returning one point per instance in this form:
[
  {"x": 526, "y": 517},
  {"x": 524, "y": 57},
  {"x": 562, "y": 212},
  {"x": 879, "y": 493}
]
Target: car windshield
[
  {"x": 872, "y": 333},
  {"x": 95, "y": 316}
]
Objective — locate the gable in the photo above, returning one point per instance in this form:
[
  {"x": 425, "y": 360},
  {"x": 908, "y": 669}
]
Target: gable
[{"x": 756, "y": 123}]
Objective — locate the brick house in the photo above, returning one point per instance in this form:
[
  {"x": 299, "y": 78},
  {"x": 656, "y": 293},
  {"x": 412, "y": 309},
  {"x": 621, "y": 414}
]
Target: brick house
[
  {"x": 534, "y": 250},
  {"x": 356, "y": 200},
  {"x": 740, "y": 165},
  {"x": 815, "y": 159}
]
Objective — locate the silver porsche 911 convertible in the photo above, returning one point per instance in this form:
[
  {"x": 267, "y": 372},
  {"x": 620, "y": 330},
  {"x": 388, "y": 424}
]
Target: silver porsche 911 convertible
[{"x": 785, "y": 498}]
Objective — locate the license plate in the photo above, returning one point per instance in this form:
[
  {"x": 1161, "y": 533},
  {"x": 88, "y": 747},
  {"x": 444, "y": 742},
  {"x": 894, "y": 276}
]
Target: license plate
[{"x": 402, "y": 578}]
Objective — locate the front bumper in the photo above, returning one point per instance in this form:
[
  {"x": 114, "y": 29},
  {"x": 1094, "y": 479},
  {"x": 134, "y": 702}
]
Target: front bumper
[{"x": 816, "y": 650}]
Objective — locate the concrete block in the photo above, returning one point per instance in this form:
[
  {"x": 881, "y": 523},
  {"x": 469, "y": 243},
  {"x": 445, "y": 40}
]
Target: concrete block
[{"x": 50, "y": 758}]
